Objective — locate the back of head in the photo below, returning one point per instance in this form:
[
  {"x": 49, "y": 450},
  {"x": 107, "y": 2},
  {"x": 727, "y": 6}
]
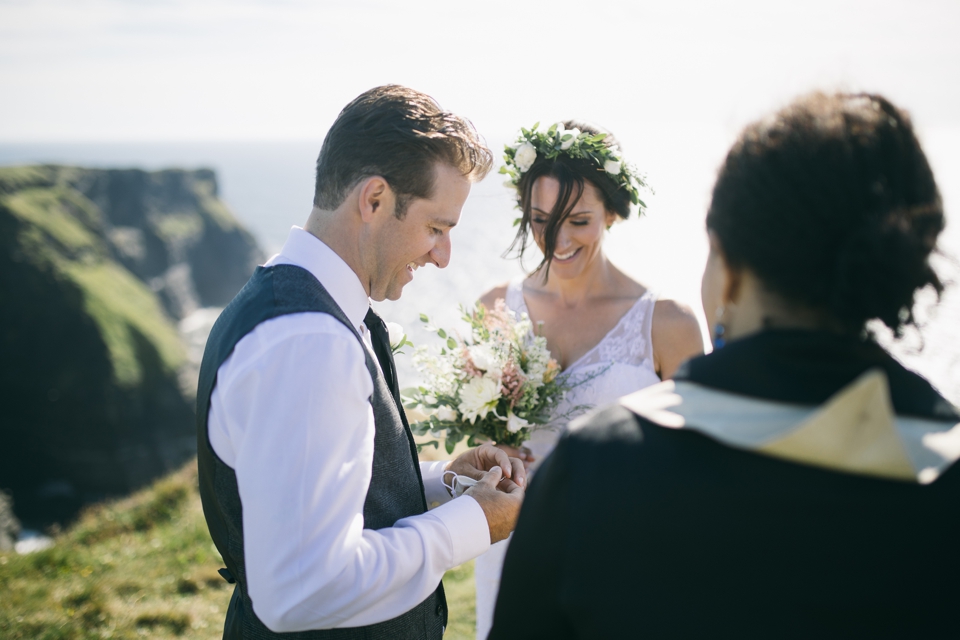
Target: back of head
[
  {"x": 399, "y": 134},
  {"x": 831, "y": 203}
]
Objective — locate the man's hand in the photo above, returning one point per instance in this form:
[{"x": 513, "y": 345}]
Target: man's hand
[
  {"x": 500, "y": 498},
  {"x": 475, "y": 462}
]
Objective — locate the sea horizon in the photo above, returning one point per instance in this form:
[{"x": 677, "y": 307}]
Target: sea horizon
[{"x": 269, "y": 187}]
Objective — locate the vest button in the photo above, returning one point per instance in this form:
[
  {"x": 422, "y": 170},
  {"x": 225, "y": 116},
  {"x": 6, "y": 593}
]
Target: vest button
[{"x": 439, "y": 609}]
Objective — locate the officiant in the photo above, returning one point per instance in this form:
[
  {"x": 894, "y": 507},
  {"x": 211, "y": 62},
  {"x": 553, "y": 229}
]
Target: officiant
[{"x": 309, "y": 475}]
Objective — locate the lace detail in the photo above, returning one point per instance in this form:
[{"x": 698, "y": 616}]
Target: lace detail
[{"x": 627, "y": 343}]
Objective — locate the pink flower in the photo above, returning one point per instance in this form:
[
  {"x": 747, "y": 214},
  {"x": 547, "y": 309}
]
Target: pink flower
[
  {"x": 497, "y": 318},
  {"x": 511, "y": 382},
  {"x": 469, "y": 367}
]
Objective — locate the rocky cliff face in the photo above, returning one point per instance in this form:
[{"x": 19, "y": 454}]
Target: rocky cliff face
[{"x": 95, "y": 268}]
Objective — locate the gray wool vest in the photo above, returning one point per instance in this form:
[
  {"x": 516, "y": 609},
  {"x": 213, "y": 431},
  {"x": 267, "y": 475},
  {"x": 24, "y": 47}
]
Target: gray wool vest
[{"x": 396, "y": 488}]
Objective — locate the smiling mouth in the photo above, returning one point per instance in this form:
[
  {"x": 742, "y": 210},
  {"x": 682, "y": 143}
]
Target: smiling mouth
[{"x": 566, "y": 256}]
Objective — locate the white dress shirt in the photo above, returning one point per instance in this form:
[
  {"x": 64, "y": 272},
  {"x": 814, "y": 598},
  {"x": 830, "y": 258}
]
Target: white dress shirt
[{"x": 290, "y": 414}]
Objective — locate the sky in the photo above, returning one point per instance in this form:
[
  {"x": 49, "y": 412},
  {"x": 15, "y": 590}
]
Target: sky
[
  {"x": 206, "y": 70},
  {"x": 675, "y": 80}
]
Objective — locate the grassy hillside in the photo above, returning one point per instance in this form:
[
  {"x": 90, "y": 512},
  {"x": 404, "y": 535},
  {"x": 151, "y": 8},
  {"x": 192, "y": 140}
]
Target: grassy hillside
[{"x": 143, "y": 567}]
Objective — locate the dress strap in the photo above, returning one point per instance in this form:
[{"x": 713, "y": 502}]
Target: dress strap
[{"x": 647, "y": 303}]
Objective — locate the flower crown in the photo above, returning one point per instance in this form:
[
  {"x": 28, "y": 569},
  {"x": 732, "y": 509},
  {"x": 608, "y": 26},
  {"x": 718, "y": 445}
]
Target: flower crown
[{"x": 532, "y": 144}]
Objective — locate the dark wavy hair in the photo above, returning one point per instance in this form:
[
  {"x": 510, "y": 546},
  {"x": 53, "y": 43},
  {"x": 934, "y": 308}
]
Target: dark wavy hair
[
  {"x": 572, "y": 174},
  {"x": 399, "y": 134},
  {"x": 831, "y": 203}
]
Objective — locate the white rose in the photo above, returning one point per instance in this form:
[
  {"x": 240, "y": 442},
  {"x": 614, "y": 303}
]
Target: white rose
[
  {"x": 566, "y": 144},
  {"x": 525, "y": 156},
  {"x": 612, "y": 167},
  {"x": 396, "y": 334},
  {"x": 484, "y": 359},
  {"x": 446, "y": 414},
  {"x": 515, "y": 423},
  {"x": 478, "y": 398}
]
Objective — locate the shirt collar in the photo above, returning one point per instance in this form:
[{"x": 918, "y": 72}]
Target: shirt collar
[{"x": 303, "y": 249}]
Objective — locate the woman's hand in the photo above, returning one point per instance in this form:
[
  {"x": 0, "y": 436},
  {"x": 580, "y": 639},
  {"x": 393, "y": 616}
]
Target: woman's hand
[
  {"x": 524, "y": 454},
  {"x": 475, "y": 462}
]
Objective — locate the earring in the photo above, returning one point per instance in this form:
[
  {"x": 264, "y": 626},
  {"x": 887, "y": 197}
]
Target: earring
[{"x": 719, "y": 329}]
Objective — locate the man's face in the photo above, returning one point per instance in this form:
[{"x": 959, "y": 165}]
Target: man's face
[{"x": 422, "y": 237}]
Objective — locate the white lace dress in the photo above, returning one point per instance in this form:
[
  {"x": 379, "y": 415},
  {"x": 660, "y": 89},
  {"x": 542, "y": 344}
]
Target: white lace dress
[{"x": 621, "y": 363}]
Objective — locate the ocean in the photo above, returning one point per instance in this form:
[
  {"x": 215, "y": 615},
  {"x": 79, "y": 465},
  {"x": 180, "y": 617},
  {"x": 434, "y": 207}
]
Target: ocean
[{"x": 269, "y": 187}]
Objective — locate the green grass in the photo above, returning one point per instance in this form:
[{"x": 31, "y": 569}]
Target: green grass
[
  {"x": 124, "y": 307},
  {"x": 143, "y": 567}
]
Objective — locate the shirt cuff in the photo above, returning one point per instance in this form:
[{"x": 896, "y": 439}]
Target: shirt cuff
[
  {"x": 467, "y": 526},
  {"x": 433, "y": 489}
]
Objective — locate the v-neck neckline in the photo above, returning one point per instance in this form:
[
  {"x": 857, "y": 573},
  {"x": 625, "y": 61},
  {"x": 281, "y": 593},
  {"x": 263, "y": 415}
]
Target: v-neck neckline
[{"x": 589, "y": 351}]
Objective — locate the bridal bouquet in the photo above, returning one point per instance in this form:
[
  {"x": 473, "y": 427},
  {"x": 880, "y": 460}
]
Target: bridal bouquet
[{"x": 498, "y": 383}]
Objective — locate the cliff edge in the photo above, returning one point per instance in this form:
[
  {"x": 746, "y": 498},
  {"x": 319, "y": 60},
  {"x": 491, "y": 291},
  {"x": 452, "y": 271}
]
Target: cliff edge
[{"x": 96, "y": 266}]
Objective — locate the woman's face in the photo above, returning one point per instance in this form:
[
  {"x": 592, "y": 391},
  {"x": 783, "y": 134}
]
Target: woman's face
[{"x": 580, "y": 237}]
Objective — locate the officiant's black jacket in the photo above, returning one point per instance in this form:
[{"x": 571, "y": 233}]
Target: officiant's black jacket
[{"x": 634, "y": 529}]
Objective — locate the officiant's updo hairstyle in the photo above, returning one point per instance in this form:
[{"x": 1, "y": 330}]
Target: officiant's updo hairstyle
[
  {"x": 831, "y": 204},
  {"x": 572, "y": 174},
  {"x": 399, "y": 134}
]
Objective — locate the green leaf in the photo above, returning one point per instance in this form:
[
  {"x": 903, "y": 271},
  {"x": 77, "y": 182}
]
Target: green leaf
[
  {"x": 449, "y": 445},
  {"x": 441, "y": 333},
  {"x": 535, "y": 125},
  {"x": 552, "y": 130},
  {"x": 451, "y": 344},
  {"x": 433, "y": 443},
  {"x": 424, "y": 318},
  {"x": 503, "y": 169},
  {"x": 516, "y": 221},
  {"x": 565, "y": 137}
]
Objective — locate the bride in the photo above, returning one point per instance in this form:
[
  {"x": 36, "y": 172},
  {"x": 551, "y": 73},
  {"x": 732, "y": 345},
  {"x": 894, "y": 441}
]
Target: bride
[{"x": 601, "y": 325}]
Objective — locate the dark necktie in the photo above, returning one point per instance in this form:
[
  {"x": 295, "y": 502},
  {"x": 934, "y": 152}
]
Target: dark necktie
[{"x": 380, "y": 339}]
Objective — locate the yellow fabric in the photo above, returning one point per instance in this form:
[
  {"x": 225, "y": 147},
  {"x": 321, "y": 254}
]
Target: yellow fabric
[{"x": 855, "y": 431}]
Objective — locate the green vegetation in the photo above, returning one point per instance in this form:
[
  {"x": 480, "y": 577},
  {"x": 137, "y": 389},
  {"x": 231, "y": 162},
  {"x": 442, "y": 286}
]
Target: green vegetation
[
  {"x": 123, "y": 309},
  {"x": 61, "y": 232},
  {"x": 140, "y": 567},
  {"x": 143, "y": 567}
]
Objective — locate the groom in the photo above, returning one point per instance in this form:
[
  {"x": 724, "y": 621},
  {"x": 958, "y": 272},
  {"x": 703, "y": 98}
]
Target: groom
[{"x": 308, "y": 471}]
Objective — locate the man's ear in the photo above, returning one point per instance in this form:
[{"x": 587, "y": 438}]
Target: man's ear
[{"x": 375, "y": 197}]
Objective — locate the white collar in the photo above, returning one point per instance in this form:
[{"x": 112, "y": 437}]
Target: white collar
[
  {"x": 305, "y": 250},
  {"x": 856, "y": 431}
]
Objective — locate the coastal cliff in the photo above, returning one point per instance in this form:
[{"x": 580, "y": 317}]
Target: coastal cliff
[{"x": 96, "y": 268}]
